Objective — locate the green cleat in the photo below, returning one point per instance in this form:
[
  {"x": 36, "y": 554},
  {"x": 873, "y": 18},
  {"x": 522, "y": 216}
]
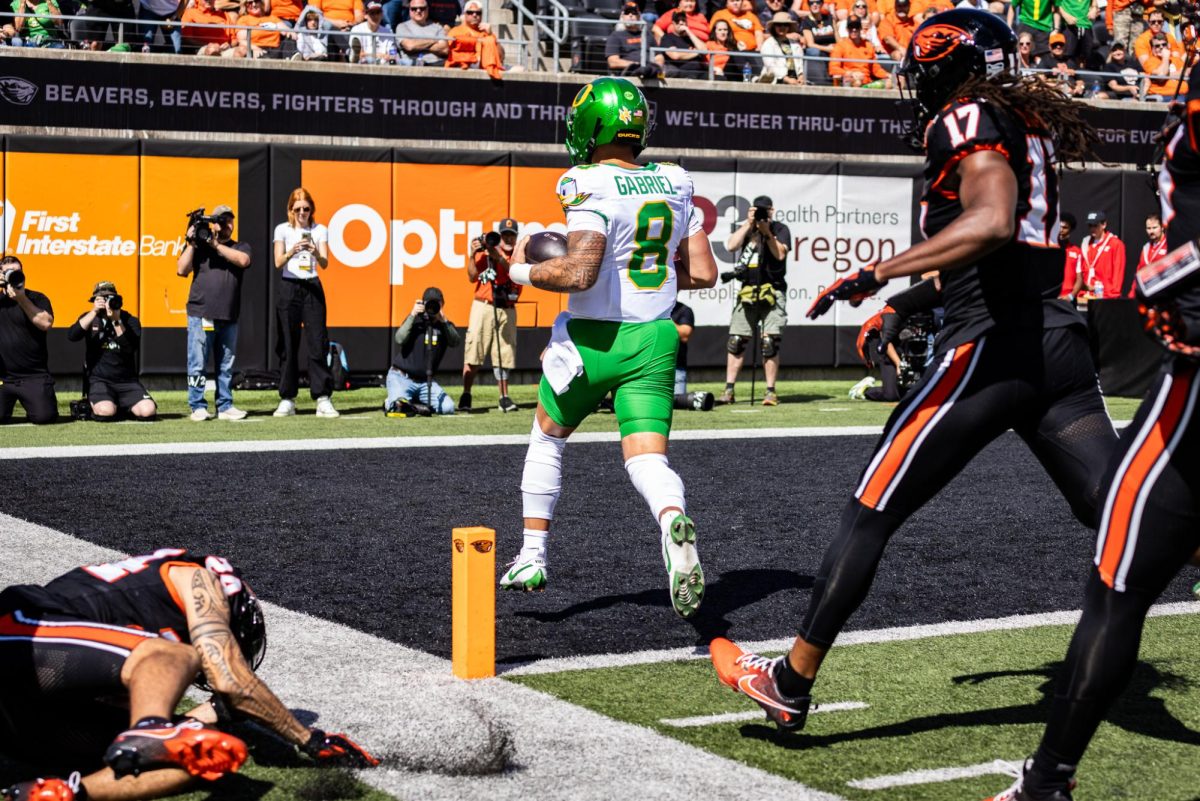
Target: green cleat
[
  {"x": 683, "y": 566},
  {"x": 526, "y": 573}
]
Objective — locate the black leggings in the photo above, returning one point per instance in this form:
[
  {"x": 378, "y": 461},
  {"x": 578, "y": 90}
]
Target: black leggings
[
  {"x": 1041, "y": 384},
  {"x": 302, "y": 303}
]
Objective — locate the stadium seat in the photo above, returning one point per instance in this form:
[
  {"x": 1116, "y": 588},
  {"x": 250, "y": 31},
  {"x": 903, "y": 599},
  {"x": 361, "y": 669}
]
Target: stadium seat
[
  {"x": 610, "y": 9},
  {"x": 587, "y": 54}
]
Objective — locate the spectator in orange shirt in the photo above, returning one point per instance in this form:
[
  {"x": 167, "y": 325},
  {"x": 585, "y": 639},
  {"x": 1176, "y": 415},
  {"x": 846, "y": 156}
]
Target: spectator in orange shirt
[
  {"x": 1165, "y": 69},
  {"x": 720, "y": 42},
  {"x": 896, "y": 29},
  {"x": 205, "y": 41},
  {"x": 339, "y": 17},
  {"x": 745, "y": 24},
  {"x": 861, "y": 10},
  {"x": 473, "y": 44},
  {"x": 264, "y": 42},
  {"x": 853, "y": 60},
  {"x": 286, "y": 11},
  {"x": 1157, "y": 23},
  {"x": 697, "y": 23}
]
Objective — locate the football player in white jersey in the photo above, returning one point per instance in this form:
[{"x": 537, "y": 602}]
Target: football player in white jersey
[{"x": 633, "y": 241}]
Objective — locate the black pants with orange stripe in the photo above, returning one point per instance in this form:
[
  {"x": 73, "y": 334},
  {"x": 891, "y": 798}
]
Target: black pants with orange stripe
[
  {"x": 61, "y": 696},
  {"x": 1149, "y": 528},
  {"x": 1041, "y": 384}
]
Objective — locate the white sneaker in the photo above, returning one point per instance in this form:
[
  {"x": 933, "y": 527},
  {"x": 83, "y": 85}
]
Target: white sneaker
[
  {"x": 232, "y": 413},
  {"x": 325, "y": 407},
  {"x": 859, "y": 390},
  {"x": 526, "y": 573},
  {"x": 199, "y": 415},
  {"x": 286, "y": 408}
]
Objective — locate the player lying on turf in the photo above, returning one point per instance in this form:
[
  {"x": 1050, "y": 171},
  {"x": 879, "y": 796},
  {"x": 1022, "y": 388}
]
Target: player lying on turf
[
  {"x": 1011, "y": 354},
  {"x": 625, "y": 224},
  {"x": 93, "y": 664},
  {"x": 1150, "y": 523}
]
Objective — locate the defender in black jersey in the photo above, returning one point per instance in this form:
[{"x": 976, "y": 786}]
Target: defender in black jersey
[
  {"x": 1150, "y": 519},
  {"x": 1010, "y": 356},
  {"x": 98, "y": 659}
]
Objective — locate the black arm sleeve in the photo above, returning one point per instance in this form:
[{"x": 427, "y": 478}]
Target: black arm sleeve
[{"x": 76, "y": 332}]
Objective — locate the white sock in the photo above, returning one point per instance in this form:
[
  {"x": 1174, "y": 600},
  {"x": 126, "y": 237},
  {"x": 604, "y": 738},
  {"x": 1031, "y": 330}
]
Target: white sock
[
  {"x": 535, "y": 543},
  {"x": 661, "y": 486},
  {"x": 541, "y": 481}
]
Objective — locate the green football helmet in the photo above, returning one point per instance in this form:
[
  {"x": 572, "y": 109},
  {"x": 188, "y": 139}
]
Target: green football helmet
[{"x": 607, "y": 110}]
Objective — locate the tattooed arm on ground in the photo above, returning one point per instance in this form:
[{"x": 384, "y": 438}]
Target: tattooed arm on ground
[{"x": 225, "y": 668}]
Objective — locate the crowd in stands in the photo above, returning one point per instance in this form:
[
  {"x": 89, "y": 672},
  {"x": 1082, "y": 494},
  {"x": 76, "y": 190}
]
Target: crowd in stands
[{"x": 1116, "y": 49}]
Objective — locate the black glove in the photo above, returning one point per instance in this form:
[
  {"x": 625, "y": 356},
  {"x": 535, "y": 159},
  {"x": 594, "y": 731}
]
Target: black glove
[
  {"x": 1167, "y": 324},
  {"x": 854, "y": 288},
  {"x": 337, "y": 750}
]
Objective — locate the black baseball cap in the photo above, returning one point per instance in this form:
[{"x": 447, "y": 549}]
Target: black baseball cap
[
  {"x": 854, "y": 23},
  {"x": 433, "y": 294},
  {"x": 508, "y": 225},
  {"x": 764, "y": 201},
  {"x": 1096, "y": 217}
]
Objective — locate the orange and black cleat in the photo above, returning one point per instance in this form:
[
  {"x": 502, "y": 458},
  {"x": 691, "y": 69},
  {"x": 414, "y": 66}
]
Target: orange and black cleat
[
  {"x": 754, "y": 675},
  {"x": 48, "y": 789},
  {"x": 201, "y": 751}
]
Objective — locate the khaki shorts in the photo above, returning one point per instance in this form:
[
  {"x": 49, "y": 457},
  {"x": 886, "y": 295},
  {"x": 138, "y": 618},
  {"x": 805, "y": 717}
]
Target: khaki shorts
[
  {"x": 481, "y": 335},
  {"x": 745, "y": 318}
]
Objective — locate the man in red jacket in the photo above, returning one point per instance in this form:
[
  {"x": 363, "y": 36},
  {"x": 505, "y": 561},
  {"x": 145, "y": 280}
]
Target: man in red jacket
[
  {"x": 1073, "y": 264},
  {"x": 1156, "y": 243},
  {"x": 1103, "y": 258}
]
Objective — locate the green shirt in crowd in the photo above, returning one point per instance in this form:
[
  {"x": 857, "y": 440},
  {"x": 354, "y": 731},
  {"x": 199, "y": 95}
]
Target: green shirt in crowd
[
  {"x": 39, "y": 25},
  {"x": 1038, "y": 14}
]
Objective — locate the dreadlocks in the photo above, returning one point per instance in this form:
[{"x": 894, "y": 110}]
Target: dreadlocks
[{"x": 1040, "y": 104}]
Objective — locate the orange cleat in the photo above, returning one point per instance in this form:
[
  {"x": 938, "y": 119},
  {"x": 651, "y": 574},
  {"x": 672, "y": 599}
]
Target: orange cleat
[
  {"x": 203, "y": 752},
  {"x": 48, "y": 789},
  {"x": 754, "y": 676}
]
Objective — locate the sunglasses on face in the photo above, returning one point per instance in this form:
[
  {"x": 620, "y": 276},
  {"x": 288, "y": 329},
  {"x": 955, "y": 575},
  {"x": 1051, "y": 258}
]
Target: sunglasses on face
[
  {"x": 1156, "y": 22},
  {"x": 1025, "y": 44},
  {"x": 473, "y": 13}
]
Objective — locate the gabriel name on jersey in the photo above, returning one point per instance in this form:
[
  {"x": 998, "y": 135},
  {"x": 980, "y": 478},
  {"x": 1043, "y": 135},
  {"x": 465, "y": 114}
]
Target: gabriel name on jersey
[
  {"x": 644, "y": 214},
  {"x": 1018, "y": 284}
]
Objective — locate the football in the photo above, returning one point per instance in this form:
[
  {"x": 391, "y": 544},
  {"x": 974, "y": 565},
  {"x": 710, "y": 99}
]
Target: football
[{"x": 545, "y": 245}]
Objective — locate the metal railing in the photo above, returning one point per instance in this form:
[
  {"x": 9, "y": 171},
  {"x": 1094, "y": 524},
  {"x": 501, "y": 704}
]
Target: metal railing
[{"x": 555, "y": 27}]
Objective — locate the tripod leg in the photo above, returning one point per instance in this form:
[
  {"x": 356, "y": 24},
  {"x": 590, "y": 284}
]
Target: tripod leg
[{"x": 754, "y": 365}]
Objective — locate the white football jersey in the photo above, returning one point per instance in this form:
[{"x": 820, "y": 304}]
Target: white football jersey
[{"x": 645, "y": 213}]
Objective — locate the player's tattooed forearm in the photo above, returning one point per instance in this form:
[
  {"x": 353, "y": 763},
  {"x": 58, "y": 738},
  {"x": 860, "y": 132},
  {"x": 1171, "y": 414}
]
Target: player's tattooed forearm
[
  {"x": 208, "y": 597},
  {"x": 577, "y": 270}
]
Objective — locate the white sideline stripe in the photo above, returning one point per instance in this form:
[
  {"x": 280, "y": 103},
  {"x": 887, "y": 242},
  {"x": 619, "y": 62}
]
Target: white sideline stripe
[
  {"x": 738, "y": 717},
  {"x": 868, "y": 636},
  {"x": 934, "y": 775},
  {"x": 372, "y": 443},
  {"x": 397, "y": 700}
]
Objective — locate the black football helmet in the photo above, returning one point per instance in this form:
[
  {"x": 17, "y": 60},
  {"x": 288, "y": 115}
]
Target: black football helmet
[
  {"x": 947, "y": 49},
  {"x": 248, "y": 625}
]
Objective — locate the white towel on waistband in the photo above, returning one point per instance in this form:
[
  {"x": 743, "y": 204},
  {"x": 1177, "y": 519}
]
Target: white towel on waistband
[{"x": 561, "y": 363}]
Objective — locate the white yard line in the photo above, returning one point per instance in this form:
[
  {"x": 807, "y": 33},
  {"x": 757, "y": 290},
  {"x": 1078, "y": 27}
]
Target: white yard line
[
  {"x": 934, "y": 776},
  {"x": 741, "y": 717},
  {"x": 406, "y": 706},
  {"x": 593, "y": 662},
  {"x": 371, "y": 443}
]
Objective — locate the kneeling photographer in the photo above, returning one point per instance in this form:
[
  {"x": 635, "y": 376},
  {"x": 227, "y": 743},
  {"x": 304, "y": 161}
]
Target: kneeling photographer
[
  {"x": 423, "y": 337},
  {"x": 761, "y": 245},
  {"x": 899, "y": 341},
  {"x": 110, "y": 373},
  {"x": 25, "y": 317},
  {"x": 492, "y": 328}
]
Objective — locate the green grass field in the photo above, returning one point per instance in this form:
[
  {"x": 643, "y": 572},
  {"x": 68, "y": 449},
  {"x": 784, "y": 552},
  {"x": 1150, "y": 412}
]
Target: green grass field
[
  {"x": 934, "y": 703},
  {"x": 803, "y": 404}
]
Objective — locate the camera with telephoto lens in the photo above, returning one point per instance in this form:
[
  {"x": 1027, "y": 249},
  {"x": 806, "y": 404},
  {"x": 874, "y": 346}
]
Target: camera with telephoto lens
[
  {"x": 761, "y": 214},
  {"x": 114, "y": 302},
  {"x": 201, "y": 225},
  {"x": 491, "y": 239},
  {"x": 14, "y": 277},
  {"x": 432, "y": 309}
]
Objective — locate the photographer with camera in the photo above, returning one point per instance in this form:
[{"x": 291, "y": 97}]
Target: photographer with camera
[
  {"x": 492, "y": 329},
  {"x": 25, "y": 317},
  {"x": 110, "y": 373},
  {"x": 761, "y": 245},
  {"x": 423, "y": 337},
  {"x": 217, "y": 263}
]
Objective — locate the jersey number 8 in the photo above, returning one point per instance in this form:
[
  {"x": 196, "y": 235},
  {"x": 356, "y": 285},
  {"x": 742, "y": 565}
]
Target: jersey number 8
[{"x": 655, "y": 224}]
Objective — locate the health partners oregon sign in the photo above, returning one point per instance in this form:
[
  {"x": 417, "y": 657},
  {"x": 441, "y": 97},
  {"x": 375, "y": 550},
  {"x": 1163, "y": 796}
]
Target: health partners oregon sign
[{"x": 128, "y": 93}]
